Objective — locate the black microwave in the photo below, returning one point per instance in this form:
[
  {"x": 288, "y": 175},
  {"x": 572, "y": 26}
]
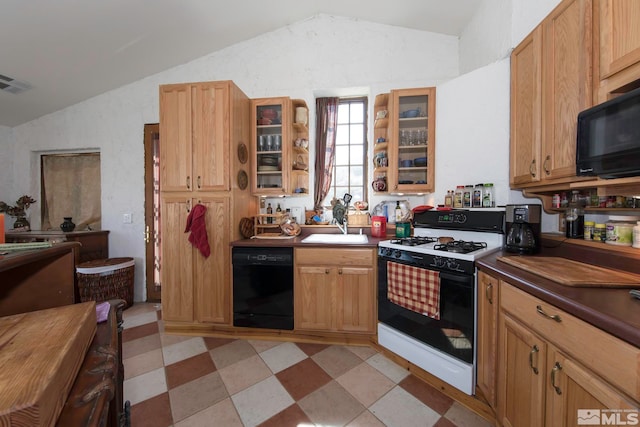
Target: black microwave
[{"x": 608, "y": 143}]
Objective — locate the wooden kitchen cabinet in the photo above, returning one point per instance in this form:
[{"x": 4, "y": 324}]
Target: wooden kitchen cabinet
[
  {"x": 194, "y": 120},
  {"x": 335, "y": 290},
  {"x": 280, "y": 165},
  {"x": 488, "y": 303},
  {"x": 195, "y": 288},
  {"x": 617, "y": 47},
  {"x": 412, "y": 135},
  {"x": 551, "y": 82},
  {"x": 551, "y": 365},
  {"x": 203, "y": 156}
]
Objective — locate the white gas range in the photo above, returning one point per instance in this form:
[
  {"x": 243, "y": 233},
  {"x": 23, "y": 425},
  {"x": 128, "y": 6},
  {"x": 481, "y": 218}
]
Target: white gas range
[{"x": 446, "y": 243}]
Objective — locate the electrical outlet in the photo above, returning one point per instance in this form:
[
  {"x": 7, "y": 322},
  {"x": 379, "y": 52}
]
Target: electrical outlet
[
  {"x": 262, "y": 201},
  {"x": 126, "y": 218}
]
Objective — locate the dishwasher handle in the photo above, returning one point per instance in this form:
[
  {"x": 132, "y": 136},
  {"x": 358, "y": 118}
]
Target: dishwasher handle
[{"x": 262, "y": 256}]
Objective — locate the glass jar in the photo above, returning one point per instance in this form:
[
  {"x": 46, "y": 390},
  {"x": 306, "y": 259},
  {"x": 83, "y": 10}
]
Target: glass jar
[
  {"x": 467, "y": 194},
  {"x": 457, "y": 196},
  {"x": 620, "y": 230},
  {"x": 488, "y": 198},
  {"x": 600, "y": 233},
  {"x": 476, "y": 199},
  {"x": 589, "y": 227}
]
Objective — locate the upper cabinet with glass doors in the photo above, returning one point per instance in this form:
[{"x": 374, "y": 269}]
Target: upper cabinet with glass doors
[
  {"x": 279, "y": 147},
  {"x": 411, "y": 144}
]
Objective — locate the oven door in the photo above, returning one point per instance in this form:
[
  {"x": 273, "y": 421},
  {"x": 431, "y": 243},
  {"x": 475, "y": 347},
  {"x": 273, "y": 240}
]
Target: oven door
[{"x": 454, "y": 332}]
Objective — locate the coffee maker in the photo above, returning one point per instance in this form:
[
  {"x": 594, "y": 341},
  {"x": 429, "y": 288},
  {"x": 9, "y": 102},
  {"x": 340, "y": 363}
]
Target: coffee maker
[{"x": 523, "y": 228}]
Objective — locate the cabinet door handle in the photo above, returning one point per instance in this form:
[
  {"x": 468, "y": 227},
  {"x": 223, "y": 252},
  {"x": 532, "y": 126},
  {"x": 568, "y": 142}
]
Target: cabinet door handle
[
  {"x": 340, "y": 271},
  {"x": 556, "y": 368},
  {"x": 188, "y": 205},
  {"x": 548, "y": 316},
  {"x": 198, "y": 181},
  {"x": 188, "y": 182},
  {"x": 532, "y": 168},
  {"x": 545, "y": 165},
  {"x": 147, "y": 234},
  {"x": 534, "y": 350},
  {"x": 326, "y": 271},
  {"x": 489, "y": 293}
]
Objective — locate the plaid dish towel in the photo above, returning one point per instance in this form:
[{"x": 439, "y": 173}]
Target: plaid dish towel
[{"x": 413, "y": 288}]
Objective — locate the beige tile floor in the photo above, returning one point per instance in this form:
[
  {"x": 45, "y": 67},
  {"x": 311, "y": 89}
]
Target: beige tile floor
[{"x": 186, "y": 381}]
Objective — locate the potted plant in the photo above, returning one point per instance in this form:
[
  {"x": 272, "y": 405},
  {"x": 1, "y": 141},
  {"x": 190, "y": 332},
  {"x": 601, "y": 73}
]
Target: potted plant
[{"x": 19, "y": 211}]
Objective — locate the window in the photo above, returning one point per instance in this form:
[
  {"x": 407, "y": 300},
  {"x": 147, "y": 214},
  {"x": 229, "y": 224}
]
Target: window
[{"x": 350, "y": 172}]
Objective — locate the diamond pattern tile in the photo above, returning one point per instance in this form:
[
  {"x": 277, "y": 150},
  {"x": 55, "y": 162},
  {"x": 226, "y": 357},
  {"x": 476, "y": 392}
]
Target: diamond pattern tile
[{"x": 186, "y": 381}]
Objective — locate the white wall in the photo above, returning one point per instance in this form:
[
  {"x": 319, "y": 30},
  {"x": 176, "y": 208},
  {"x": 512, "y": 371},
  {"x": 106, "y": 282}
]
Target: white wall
[
  {"x": 487, "y": 38},
  {"x": 7, "y": 192}
]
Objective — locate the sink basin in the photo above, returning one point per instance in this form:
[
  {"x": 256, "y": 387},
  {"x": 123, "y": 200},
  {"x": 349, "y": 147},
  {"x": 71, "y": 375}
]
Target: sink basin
[{"x": 336, "y": 238}]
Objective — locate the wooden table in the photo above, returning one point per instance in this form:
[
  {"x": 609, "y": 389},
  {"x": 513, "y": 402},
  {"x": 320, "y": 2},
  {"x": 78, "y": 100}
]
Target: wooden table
[
  {"x": 38, "y": 279},
  {"x": 94, "y": 244}
]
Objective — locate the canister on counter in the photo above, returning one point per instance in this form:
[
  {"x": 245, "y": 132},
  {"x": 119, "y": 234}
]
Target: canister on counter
[
  {"x": 378, "y": 226},
  {"x": 403, "y": 229}
]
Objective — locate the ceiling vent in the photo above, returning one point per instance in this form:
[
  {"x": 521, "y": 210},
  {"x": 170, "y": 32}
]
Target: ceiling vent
[{"x": 7, "y": 84}]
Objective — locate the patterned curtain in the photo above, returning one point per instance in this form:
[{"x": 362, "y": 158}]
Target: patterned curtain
[{"x": 326, "y": 120}]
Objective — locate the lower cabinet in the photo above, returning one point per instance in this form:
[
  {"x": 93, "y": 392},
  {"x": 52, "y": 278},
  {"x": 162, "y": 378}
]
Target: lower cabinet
[
  {"x": 555, "y": 367},
  {"x": 195, "y": 288},
  {"x": 335, "y": 290},
  {"x": 487, "y": 347}
]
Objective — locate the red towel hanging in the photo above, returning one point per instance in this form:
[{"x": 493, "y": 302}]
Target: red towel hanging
[
  {"x": 415, "y": 289},
  {"x": 196, "y": 224}
]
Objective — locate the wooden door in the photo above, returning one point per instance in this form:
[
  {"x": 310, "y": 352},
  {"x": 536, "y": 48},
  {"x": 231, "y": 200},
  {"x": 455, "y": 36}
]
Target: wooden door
[
  {"x": 522, "y": 376},
  {"x": 313, "y": 297},
  {"x": 152, "y": 211},
  {"x": 567, "y": 84},
  {"x": 177, "y": 267},
  {"x": 355, "y": 300},
  {"x": 487, "y": 336},
  {"x": 212, "y": 275},
  {"x": 526, "y": 122},
  {"x": 176, "y": 131},
  {"x": 574, "y": 391},
  {"x": 211, "y": 123}
]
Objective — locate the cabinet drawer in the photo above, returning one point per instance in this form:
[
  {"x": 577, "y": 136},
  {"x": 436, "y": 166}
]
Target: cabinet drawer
[
  {"x": 613, "y": 359},
  {"x": 334, "y": 256}
]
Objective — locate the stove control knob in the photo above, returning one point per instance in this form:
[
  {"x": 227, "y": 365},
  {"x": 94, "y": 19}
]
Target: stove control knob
[
  {"x": 438, "y": 262},
  {"x": 452, "y": 264},
  {"x": 397, "y": 253}
]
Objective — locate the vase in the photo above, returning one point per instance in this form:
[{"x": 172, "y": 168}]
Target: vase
[
  {"x": 67, "y": 226},
  {"x": 21, "y": 222}
]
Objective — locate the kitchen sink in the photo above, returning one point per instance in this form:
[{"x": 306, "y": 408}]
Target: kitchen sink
[{"x": 336, "y": 238}]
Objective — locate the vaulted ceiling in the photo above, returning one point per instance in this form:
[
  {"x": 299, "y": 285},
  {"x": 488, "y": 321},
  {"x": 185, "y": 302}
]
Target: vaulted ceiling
[{"x": 67, "y": 51}]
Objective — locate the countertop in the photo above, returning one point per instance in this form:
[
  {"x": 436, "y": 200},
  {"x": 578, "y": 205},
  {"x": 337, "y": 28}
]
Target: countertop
[
  {"x": 297, "y": 241},
  {"x": 610, "y": 309}
]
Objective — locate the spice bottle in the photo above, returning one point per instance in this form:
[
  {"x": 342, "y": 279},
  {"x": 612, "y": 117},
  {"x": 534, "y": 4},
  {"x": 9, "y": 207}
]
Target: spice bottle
[
  {"x": 466, "y": 196},
  {"x": 398, "y": 212},
  {"x": 476, "y": 200},
  {"x": 488, "y": 198},
  {"x": 448, "y": 199},
  {"x": 457, "y": 196},
  {"x": 600, "y": 233},
  {"x": 589, "y": 227}
]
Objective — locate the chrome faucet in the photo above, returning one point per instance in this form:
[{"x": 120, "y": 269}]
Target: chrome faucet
[{"x": 344, "y": 227}]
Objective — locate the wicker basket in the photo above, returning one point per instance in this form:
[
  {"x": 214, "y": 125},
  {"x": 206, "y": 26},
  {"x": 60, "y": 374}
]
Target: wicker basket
[{"x": 104, "y": 279}]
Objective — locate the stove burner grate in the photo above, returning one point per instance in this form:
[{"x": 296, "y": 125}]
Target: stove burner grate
[
  {"x": 460, "y": 246},
  {"x": 413, "y": 241}
]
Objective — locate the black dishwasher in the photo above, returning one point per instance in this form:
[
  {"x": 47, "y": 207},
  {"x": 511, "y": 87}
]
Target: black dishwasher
[{"x": 263, "y": 287}]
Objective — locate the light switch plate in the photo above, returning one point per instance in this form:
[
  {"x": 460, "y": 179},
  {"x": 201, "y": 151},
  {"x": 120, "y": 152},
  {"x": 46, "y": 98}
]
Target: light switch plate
[{"x": 126, "y": 218}]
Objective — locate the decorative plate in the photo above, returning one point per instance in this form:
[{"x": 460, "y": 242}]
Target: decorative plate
[
  {"x": 243, "y": 154},
  {"x": 243, "y": 179}
]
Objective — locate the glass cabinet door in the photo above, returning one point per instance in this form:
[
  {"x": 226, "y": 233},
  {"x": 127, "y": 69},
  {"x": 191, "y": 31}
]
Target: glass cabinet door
[
  {"x": 268, "y": 147},
  {"x": 412, "y": 140}
]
